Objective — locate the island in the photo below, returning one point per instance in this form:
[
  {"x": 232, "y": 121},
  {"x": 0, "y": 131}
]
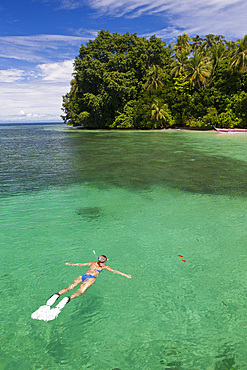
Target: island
[{"x": 122, "y": 81}]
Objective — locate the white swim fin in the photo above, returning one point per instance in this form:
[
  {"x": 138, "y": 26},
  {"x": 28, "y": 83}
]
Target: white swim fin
[
  {"x": 46, "y": 313},
  {"x": 41, "y": 313},
  {"x": 62, "y": 303},
  {"x": 52, "y": 299}
]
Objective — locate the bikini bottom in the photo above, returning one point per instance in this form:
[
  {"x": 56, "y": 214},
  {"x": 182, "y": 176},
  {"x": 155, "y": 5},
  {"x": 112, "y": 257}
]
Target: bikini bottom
[{"x": 87, "y": 276}]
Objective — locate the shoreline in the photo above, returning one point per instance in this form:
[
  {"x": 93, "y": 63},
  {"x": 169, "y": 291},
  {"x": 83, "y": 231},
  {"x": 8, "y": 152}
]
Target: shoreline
[{"x": 183, "y": 129}]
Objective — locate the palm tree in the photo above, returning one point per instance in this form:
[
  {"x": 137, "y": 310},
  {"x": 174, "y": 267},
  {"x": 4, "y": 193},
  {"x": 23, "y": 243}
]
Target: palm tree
[
  {"x": 196, "y": 43},
  {"x": 159, "y": 113},
  {"x": 198, "y": 70},
  {"x": 178, "y": 65},
  {"x": 231, "y": 45},
  {"x": 218, "y": 53},
  {"x": 209, "y": 41},
  {"x": 239, "y": 56},
  {"x": 220, "y": 39},
  {"x": 154, "y": 76},
  {"x": 182, "y": 43}
]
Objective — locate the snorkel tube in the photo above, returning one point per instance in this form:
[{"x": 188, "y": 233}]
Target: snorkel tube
[{"x": 95, "y": 254}]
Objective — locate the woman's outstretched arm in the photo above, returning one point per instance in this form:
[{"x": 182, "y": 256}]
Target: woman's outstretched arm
[
  {"x": 117, "y": 272},
  {"x": 78, "y": 264}
]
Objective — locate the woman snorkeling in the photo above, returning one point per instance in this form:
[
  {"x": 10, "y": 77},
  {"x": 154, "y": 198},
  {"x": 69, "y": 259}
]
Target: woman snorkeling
[{"x": 87, "y": 279}]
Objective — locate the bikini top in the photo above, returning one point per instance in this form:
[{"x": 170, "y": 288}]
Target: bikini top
[{"x": 94, "y": 270}]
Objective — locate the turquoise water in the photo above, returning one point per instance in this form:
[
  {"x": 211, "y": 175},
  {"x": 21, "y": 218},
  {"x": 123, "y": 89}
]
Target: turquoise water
[{"x": 141, "y": 198}]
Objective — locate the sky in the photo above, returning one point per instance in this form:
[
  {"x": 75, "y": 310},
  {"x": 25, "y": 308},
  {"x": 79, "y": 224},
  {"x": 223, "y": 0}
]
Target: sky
[{"x": 39, "y": 40}]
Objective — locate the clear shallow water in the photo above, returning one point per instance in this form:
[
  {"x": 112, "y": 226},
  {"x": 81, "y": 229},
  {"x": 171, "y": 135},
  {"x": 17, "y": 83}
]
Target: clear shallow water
[{"x": 141, "y": 198}]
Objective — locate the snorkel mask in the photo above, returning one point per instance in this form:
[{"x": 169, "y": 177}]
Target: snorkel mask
[{"x": 99, "y": 257}]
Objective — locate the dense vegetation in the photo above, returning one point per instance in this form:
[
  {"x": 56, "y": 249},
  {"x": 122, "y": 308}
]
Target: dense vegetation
[{"x": 126, "y": 81}]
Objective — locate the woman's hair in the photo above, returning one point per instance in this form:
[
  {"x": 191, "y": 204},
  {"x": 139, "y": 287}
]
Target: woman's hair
[{"x": 102, "y": 255}]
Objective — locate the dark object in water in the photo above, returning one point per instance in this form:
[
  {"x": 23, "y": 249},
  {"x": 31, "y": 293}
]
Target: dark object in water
[{"x": 89, "y": 213}]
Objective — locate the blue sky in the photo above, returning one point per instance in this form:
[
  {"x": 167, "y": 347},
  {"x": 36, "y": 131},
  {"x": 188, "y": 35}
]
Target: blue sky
[{"x": 40, "y": 38}]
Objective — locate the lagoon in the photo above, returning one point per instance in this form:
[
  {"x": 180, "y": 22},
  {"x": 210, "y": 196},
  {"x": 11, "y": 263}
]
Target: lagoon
[{"x": 142, "y": 198}]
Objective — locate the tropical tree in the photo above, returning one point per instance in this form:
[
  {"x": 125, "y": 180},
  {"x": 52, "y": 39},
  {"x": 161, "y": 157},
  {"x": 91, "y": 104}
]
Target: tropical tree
[
  {"x": 178, "y": 65},
  {"x": 209, "y": 41},
  {"x": 182, "y": 43},
  {"x": 109, "y": 72},
  {"x": 198, "y": 70},
  {"x": 196, "y": 43},
  {"x": 220, "y": 39},
  {"x": 218, "y": 53},
  {"x": 74, "y": 87},
  {"x": 239, "y": 56},
  {"x": 231, "y": 46},
  {"x": 160, "y": 113},
  {"x": 154, "y": 76}
]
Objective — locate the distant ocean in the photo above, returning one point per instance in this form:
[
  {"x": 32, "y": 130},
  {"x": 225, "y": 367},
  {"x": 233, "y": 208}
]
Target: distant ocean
[
  {"x": 144, "y": 199},
  {"x": 31, "y": 124}
]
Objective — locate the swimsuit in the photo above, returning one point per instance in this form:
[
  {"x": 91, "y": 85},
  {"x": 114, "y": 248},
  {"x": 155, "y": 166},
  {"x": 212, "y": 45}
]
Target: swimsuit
[
  {"x": 88, "y": 276},
  {"x": 96, "y": 270}
]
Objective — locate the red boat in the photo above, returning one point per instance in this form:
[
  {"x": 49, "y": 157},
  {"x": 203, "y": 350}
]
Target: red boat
[{"x": 231, "y": 130}]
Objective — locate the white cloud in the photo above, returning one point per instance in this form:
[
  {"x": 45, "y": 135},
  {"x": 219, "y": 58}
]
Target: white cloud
[
  {"x": 23, "y": 116},
  {"x": 41, "y": 48},
  {"x": 56, "y": 71},
  {"x": 70, "y": 4},
  {"x": 39, "y": 96},
  {"x": 82, "y": 31},
  {"x": 11, "y": 75},
  {"x": 226, "y": 17},
  {"x": 34, "y": 91},
  {"x": 137, "y": 7}
]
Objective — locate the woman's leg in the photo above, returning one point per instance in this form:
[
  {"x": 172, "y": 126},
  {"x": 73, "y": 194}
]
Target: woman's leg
[
  {"x": 83, "y": 288},
  {"x": 76, "y": 282}
]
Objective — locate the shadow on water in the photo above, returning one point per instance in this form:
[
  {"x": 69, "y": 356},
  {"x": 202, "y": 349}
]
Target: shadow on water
[
  {"x": 138, "y": 161},
  {"x": 64, "y": 338},
  {"x": 37, "y": 159},
  {"x": 89, "y": 213},
  {"x": 182, "y": 355},
  {"x": 226, "y": 358}
]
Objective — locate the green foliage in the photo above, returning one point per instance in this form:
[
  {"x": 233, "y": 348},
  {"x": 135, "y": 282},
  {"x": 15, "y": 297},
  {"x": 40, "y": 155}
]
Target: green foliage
[
  {"x": 210, "y": 120},
  {"x": 81, "y": 119},
  {"x": 198, "y": 69},
  {"x": 183, "y": 43},
  {"x": 238, "y": 104},
  {"x": 179, "y": 63},
  {"x": 154, "y": 78},
  {"x": 125, "y": 120},
  {"x": 109, "y": 72},
  {"x": 160, "y": 114},
  {"x": 239, "y": 56},
  {"x": 122, "y": 81},
  {"x": 228, "y": 119},
  {"x": 181, "y": 85}
]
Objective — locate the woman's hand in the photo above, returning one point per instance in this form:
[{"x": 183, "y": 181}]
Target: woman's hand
[
  {"x": 67, "y": 263},
  {"x": 128, "y": 276}
]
